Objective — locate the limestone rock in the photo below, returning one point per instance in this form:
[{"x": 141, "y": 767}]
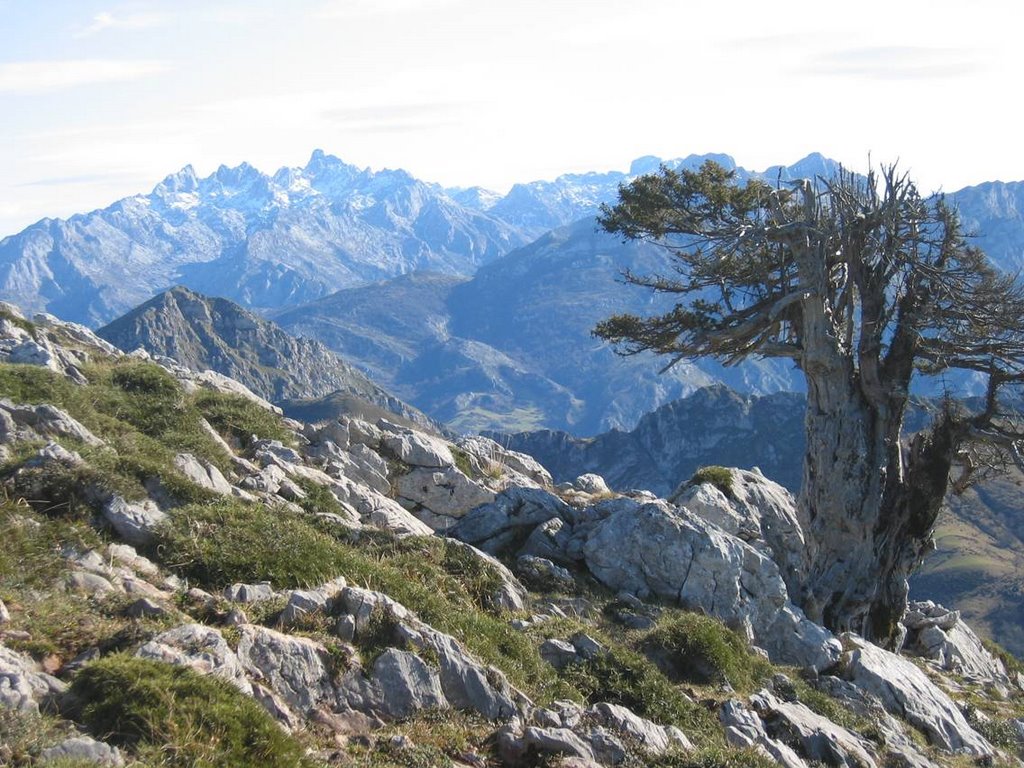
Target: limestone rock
[
  {"x": 447, "y": 494},
  {"x": 202, "y": 648},
  {"x": 907, "y": 692},
  {"x": 655, "y": 549},
  {"x": 295, "y": 668},
  {"x": 90, "y": 583},
  {"x": 84, "y": 749},
  {"x": 820, "y": 739},
  {"x": 487, "y": 526},
  {"x": 415, "y": 448},
  {"x": 757, "y": 510},
  {"x": 399, "y": 685},
  {"x": 48, "y": 420},
  {"x": 543, "y": 575},
  {"x": 23, "y": 685},
  {"x": 302, "y": 602},
  {"x": 54, "y": 453},
  {"x": 941, "y": 635},
  {"x": 202, "y": 473},
  {"x": 135, "y": 522},
  {"x": 591, "y": 484},
  {"x": 744, "y": 729},
  {"x": 550, "y": 540},
  {"x": 519, "y": 467},
  {"x": 558, "y": 653},
  {"x": 650, "y": 736},
  {"x": 249, "y": 593}
]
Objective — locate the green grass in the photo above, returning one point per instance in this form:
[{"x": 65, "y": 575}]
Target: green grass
[
  {"x": 720, "y": 477},
  {"x": 230, "y": 541},
  {"x": 21, "y": 322},
  {"x": 238, "y": 418},
  {"x": 699, "y": 649},
  {"x": 184, "y": 718},
  {"x": 58, "y": 622}
]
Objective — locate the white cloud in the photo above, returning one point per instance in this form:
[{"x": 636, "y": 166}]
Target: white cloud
[
  {"x": 107, "y": 20},
  {"x": 35, "y": 76}
]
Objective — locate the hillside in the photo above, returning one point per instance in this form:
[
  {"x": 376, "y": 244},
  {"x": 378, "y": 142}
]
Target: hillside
[
  {"x": 979, "y": 556},
  {"x": 189, "y": 579}
]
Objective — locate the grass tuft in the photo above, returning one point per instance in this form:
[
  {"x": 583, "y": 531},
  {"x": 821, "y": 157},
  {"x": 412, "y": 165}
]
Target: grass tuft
[
  {"x": 701, "y": 650},
  {"x": 192, "y": 720},
  {"x": 720, "y": 477}
]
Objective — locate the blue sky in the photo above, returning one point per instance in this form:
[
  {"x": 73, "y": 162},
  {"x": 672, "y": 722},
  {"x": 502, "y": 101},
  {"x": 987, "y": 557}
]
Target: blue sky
[{"x": 102, "y": 99}]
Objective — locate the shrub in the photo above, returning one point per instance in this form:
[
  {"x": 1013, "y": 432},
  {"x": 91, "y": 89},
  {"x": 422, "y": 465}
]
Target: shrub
[
  {"x": 702, "y": 650},
  {"x": 193, "y": 720},
  {"x": 621, "y": 676},
  {"x": 720, "y": 477}
]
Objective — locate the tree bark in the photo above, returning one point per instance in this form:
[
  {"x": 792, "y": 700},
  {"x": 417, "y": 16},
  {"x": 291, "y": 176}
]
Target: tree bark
[{"x": 868, "y": 506}]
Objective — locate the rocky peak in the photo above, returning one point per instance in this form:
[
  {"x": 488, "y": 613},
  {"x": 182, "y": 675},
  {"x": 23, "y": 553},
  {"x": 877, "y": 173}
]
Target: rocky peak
[{"x": 203, "y": 333}]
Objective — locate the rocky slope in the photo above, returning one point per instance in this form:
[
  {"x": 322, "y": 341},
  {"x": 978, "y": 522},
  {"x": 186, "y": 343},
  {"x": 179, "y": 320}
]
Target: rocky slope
[
  {"x": 201, "y": 333},
  {"x": 248, "y": 589},
  {"x": 979, "y": 553}
]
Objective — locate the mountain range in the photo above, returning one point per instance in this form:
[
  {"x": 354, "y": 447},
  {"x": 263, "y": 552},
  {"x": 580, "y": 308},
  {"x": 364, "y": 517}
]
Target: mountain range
[{"x": 473, "y": 306}]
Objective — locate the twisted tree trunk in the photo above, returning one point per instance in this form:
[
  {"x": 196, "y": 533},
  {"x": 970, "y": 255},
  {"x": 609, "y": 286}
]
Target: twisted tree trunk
[{"x": 868, "y": 505}]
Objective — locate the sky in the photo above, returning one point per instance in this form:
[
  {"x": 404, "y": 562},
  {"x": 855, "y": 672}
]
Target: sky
[{"x": 100, "y": 100}]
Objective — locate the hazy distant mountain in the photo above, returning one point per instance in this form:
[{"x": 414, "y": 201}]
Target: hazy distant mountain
[
  {"x": 542, "y": 205},
  {"x": 264, "y": 241},
  {"x": 207, "y": 333},
  {"x": 994, "y": 213},
  {"x": 511, "y": 347}
]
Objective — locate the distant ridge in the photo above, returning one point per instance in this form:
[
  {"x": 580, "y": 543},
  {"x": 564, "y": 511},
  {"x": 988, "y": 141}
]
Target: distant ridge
[{"x": 213, "y": 333}]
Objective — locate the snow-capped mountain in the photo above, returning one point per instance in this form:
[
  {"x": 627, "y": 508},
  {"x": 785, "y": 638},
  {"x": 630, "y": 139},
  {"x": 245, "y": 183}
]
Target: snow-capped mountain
[{"x": 261, "y": 240}]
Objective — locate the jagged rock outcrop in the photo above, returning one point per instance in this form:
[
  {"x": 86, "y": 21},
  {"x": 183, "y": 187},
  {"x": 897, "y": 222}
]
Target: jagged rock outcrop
[
  {"x": 940, "y": 634},
  {"x": 652, "y": 549}
]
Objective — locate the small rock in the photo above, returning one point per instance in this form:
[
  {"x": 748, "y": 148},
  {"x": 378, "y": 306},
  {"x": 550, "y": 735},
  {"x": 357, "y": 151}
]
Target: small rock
[
  {"x": 236, "y": 617},
  {"x": 541, "y": 574},
  {"x": 85, "y": 749},
  {"x": 345, "y": 629},
  {"x": 558, "y": 653},
  {"x": 90, "y": 583},
  {"x": 145, "y": 608},
  {"x": 591, "y": 484},
  {"x": 586, "y": 646},
  {"x": 5, "y": 615},
  {"x": 249, "y": 593},
  {"x": 136, "y": 523},
  {"x": 54, "y": 453}
]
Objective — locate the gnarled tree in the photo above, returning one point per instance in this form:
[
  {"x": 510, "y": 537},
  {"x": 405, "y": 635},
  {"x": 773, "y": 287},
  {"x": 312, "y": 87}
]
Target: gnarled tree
[{"x": 862, "y": 283}]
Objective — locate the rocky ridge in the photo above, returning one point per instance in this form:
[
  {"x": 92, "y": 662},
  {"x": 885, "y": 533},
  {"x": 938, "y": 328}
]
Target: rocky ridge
[
  {"x": 204, "y": 333},
  {"x": 301, "y": 568}
]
